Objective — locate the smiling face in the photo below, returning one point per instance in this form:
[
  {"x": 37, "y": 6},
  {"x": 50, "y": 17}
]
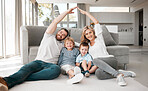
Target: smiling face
[
  {"x": 83, "y": 50},
  {"x": 69, "y": 44},
  {"x": 89, "y": 34},
  {"x": 61, "y": 35}
]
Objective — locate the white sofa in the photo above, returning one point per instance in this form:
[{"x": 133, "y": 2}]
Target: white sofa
[{"x": 31, "y": 37}]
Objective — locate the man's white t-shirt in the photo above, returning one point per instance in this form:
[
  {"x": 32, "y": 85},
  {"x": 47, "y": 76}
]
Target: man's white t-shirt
[
  {"x": 98, "y": 50},
  {"x": 49, "y": 49}
]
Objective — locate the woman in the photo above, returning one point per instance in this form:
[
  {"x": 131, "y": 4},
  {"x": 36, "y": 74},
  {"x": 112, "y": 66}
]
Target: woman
[{"x": 106, "y": 63}]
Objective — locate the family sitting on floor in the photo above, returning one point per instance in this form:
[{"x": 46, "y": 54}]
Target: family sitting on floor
[{"x": 92, "y": 55}]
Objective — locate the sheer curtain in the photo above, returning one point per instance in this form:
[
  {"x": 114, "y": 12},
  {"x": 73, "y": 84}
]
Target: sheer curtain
[{"x": 18, "y": 23}]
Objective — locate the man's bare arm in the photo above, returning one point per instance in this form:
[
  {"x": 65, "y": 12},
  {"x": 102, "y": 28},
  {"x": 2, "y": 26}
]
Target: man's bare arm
[{"x": 52, "y": 27}]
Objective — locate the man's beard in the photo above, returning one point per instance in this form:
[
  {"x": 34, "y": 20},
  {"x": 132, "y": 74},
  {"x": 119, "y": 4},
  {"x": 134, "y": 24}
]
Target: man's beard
[{"x": 58, "y": 39}]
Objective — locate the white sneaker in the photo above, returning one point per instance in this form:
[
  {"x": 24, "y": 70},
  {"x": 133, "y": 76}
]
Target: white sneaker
[
  {"x": 87, "y": 74},
  {"x": 121, "y": 80},
  {"x": 77, "y": 70},
  {"x": 3, "y": 87},
  {"x": 77, "y": 78},
  {"x": 127, "y": 73}
]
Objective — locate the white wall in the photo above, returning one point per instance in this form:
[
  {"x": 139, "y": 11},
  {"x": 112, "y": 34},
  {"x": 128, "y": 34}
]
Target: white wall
[
  {"x": 114, "y": 17},
  {"x": 143, "y": 6},
  {"x": 124, "y": 21}
]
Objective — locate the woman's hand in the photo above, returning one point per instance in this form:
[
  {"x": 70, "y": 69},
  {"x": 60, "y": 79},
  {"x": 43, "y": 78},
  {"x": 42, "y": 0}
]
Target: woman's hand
[
  {"x": 82, "y": 11},
  {"x": 69, "y": 11},
  {"x": 95, "y": 21}
]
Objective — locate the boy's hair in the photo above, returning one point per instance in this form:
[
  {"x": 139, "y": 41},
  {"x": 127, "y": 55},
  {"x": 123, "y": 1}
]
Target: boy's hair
[
  {"x": 69, "y": 39},
  {"x": 84, "y": 44}
]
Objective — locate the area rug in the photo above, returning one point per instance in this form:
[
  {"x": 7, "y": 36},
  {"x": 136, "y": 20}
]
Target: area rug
[{"x": 87, "y": 84}]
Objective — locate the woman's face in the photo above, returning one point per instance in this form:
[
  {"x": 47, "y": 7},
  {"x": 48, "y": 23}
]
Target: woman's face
[{"x": 89, "y": 34}]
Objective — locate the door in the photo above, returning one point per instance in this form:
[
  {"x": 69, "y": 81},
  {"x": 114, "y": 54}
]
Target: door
[{"x": 141, "y": 28}]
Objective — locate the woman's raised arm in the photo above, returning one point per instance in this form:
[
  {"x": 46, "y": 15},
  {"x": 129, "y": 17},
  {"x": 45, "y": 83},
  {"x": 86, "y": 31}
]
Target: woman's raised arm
[{"x": 89, "y": 15}]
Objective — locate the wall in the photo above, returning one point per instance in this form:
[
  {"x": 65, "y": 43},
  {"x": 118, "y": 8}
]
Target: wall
[
  {"x": 124, "y": 20},
  {"x": 143, "y": 6}
]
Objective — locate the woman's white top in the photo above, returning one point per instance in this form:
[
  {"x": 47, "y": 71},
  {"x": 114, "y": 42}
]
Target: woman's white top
[{"x": 98, "y": 50}]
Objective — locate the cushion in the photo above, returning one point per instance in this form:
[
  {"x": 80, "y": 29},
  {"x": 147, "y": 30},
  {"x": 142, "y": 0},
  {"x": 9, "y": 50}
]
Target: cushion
[
  {"x": 107, "y": 37},
  {"x": 76, "y": 33},
  {"x": 118, "y": 50}
]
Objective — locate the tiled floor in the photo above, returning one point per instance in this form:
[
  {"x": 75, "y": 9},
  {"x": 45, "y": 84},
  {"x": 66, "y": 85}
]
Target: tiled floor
[
  {"x": 138, "y": 63},
  {"x": 10, "y": 65}
]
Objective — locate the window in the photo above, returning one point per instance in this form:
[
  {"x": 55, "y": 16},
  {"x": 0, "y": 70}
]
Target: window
[
  {"x": 27, "y": 12},
  {"x": 73, "y": 18},
  {"x": 62, "y": 7},
  {"x": 44, "y": 13},
  {"x": 10, "y": 26},
  {"x": 109, "y": 9},
  {"x": 7, "y": 28},
  {"x": 1, "y": 29}
]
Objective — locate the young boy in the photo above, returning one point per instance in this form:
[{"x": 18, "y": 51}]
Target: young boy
[
  {"x": 67, "y": 61},
  {"x": 84, "y": 60}
]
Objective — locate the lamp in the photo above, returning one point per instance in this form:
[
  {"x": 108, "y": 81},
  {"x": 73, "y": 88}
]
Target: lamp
[{"x": 55, "y": 11}]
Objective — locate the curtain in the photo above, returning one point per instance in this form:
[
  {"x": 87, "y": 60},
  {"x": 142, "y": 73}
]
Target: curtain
[{"x": 18, "y": 23}]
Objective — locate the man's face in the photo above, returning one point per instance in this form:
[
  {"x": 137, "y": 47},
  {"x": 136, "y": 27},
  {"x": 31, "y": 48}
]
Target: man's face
[{"x": 61, "y": 35}]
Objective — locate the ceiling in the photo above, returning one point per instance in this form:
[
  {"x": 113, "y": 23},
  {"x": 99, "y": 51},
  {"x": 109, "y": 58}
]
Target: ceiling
[{"x": 104, "y": 3}]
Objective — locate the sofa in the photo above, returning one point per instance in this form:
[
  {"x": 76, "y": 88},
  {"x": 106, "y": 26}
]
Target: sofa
[{"x": 31, "y": 36}]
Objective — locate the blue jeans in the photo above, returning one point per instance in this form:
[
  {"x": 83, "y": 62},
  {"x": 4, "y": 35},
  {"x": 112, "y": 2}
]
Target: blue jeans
[{"x": 33, "y": 71}]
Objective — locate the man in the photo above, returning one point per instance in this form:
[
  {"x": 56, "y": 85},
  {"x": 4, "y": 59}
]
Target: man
[{"x": 44, "y": 67}]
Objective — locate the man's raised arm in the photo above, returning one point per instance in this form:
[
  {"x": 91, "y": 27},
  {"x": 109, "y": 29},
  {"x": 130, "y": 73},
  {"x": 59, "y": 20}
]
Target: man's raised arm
[{"x": 52, "y": 27}]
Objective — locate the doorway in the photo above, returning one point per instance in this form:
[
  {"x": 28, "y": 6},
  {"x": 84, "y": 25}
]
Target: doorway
[{"x": 141, "y": 28}]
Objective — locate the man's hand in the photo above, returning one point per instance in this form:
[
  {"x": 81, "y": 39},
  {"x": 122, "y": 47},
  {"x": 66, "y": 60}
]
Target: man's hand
[{"x": 69, "y": 11}]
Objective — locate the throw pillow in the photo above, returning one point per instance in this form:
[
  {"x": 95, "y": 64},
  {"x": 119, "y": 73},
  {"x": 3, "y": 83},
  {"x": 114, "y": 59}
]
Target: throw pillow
[{"x": 107, "y": 37}]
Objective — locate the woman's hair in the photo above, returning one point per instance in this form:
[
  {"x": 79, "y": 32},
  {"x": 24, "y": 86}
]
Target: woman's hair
[
  {"x": 83, "y": 37},
  {"x": 69, "y": 39},
  {"x": 84, "y": 44}
]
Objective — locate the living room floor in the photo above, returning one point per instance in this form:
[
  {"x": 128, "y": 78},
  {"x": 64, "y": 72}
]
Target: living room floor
[{"x": 138, "y": 63}]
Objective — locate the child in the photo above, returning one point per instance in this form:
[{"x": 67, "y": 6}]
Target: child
[
  {"x": 84, "y": 60},
  {"x": 67, "y": 61}
]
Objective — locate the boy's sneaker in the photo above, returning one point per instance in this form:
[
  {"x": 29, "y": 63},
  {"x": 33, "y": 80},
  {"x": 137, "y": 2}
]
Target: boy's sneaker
[
  {"x": 121, "y": 80},
  {"x": 127, "y": 73},
  {"x": 77, "y": 70},
  {"x": 77, "y": 78},
  {"x": 86, "y": 73},
  {"x": 3, "y": 85}
]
